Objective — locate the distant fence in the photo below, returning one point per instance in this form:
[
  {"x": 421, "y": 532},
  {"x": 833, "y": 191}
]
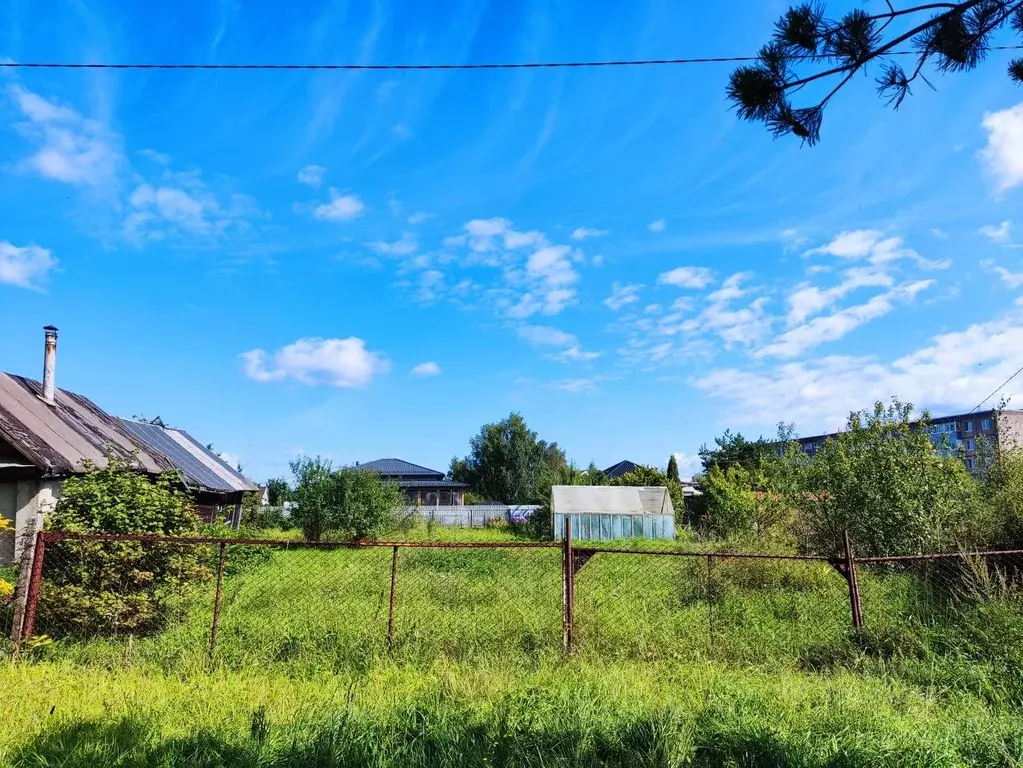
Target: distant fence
[
  {"x": 473, "y": 516},
  {"x": 255, "y": 601},
  {"x": 467, "y": 516}
]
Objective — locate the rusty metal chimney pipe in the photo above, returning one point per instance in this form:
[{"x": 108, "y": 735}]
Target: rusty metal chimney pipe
[{"x": 50, "y": 366}]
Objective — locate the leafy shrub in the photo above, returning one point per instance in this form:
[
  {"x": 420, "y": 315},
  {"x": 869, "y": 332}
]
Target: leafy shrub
[
  {"x": 884, "y": 482},
  {"x": 350, "y": 502},
  {"x": 6, "y": 587},
  {"x": 100, "y": 587}
]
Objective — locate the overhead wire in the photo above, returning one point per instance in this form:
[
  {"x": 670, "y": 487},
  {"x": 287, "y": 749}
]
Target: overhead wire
[
  {"x": 415, "y": 67},
  {"x": 997, "y": 389}
]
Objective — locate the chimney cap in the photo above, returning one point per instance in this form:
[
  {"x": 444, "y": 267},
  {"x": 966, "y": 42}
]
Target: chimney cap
[{"x": 50, "y": 328}]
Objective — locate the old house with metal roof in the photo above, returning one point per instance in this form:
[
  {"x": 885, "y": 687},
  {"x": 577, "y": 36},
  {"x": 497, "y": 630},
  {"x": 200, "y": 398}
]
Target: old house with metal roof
[
  {"x": 48, "y": 434},
  {"x": 423, "y": 486}
]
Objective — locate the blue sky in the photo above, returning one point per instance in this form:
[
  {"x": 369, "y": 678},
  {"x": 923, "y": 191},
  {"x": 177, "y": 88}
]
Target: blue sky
[{"x": 371, "y": 264}]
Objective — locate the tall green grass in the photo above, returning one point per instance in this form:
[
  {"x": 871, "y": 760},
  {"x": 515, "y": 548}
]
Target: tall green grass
[{"x": 745, "y": 662}]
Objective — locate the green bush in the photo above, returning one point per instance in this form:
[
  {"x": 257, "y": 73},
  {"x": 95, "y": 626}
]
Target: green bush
[
  {"x": 350, "y": 502},
  {"x": 101, "y": 587}
]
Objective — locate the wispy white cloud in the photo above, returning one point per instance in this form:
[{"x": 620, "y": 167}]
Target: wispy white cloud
[
  {"x": 402, "y": 132},
  {"x": 658, "y": 225},
  {"x": 408, "y": 244},
  {"x": 806, "y": 300},
  {"x": 426, "y": 369},
  {"x": 1002, "y": 156},
  {"x": 872, "y": 246},
  {"x": 575, "y": 386},
  {"x": 25, "y": 267},
  {"x": 342, "y": 207},
  {"x": 832, "y": 327},
  {"x": 622, "y": 294},
  {"x": 1009, "y": 279},
  {"x": 584, "y": 233},
  {"x": 161, "y": 158},
  {"x": 341, "y": 363},
  {"x": 947, "y": 374},
  {"x": 686, "y": 277},
  {"x": 545, "y": 335},
  {"x": 1000, "y": 234},
  {"x": 312, "y": 175},
  {"x": 181, "y": 205},
  {"x": 69, "y": 148},
  {"x": 419, "y": 217}
]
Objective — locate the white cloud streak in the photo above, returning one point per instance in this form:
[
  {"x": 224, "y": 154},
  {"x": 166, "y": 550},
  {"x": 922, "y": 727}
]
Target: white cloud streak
[{"x": 25, "y": 267}]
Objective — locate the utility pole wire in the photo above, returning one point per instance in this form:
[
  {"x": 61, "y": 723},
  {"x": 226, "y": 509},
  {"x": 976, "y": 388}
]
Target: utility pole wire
[
  {"x": 1017, "y": 373},
  {"x": 418, "y": 67}
]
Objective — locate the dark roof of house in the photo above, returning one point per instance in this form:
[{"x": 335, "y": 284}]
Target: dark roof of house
[
  {"x": 449, "y": 484},
  {"x": 199, "y": 466},
  {"x": 402, "y": 469},
  {"x": 58, "y": 439},
  {"x": 621, "y": 468}
]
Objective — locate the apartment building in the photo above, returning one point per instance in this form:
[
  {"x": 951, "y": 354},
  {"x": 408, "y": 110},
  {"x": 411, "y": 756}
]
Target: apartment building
[{"x": 970, "y": 436}]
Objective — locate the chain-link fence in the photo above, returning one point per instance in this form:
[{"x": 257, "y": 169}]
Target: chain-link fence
[{"x": 113, "y": 599}]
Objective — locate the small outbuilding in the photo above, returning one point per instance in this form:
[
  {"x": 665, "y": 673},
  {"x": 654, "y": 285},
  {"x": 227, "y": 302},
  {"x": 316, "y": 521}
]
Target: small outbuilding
[{"x": 604, "y": 513}]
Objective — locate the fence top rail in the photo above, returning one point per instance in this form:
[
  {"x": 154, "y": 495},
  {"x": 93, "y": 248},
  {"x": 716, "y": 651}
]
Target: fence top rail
[
  {"x": 53, "y": 537},
  {"x": 674, "y": 553},
  {"x": 939, "y": 556}
]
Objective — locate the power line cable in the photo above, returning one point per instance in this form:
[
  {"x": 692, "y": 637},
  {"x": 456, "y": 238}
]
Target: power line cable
[
  {"x": 398, "y": 67},
  {"x": 1017, "y": 373}
]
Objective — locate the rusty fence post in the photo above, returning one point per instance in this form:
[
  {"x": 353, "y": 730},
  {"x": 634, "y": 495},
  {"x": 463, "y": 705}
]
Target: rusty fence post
[
  {"x": 854, "y": 584},
  {"x": 34, "y": 585},
  {"x": 710, "y": 599},
  {"x": 568, "y": 593},
  {"x": 216, "y": 600},
  {"x": 390, "y": 610}
]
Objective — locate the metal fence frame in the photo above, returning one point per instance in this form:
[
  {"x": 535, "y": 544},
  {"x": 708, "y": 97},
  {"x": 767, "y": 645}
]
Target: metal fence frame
[{"x": 573, "y": 559}]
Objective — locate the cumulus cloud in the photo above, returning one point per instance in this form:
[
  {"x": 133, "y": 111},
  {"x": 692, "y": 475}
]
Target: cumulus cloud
[
  {"x": 70, "y": 148},
  {"x": 161, "y": 158},
  {"x": 584, "y": 233},
  {"x": 874, "y": 247},
  {"x": 341, "y": 207},
  {"x": 659, "y": 225},
  {"x": 426, "y": 369},
  {"x": 622, "y": 294},
  {"x": 312, "y": 176},
  {"x": 686, "y": 277},
  {"x": 1002, "y": 156},
  {"x": 25, "y": 267},
  {"x": 342, "y": 363}
]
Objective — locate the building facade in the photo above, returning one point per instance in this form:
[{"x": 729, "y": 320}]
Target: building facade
[
  {"x": 969, "y": 436},
  {"x": 423, "y": 487}
]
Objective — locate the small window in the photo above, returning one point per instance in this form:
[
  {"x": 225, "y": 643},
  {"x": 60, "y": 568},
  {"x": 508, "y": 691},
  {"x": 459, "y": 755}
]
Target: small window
[
  {"x": 412, "y": 496},
  {"x": 969, "y": 426},
  {"x": 969, "y": 463},
  {"x": 971, "y": 444},
  {"x": 429, "y": 498},
  {"x": 985, "y": 423},
  {"x": 445, "y": 498}
]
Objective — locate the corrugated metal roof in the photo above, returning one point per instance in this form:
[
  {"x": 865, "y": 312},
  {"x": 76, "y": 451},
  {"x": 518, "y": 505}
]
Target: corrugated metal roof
[
  {"x": 621, "y": 468},
  {"x": 59, "y": 438},
  {"x": 399, "y": 468},
  {"x": 603, "y": 499},
  {"x": 199, "y": 466}
]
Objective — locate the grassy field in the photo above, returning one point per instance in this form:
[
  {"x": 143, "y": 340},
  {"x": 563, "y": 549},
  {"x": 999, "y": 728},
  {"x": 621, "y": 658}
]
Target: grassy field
[{"x": 749, "y": 663}]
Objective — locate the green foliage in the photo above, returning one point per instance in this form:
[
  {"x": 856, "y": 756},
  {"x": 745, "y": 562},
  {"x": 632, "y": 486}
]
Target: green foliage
[
  {"x": 673, "y": 468},
  {"x": 884, "y": 482},
  {"x": 507, "y": 462},
  {"x": 651, "y": 476},
  {"x": 123, "y": 586},
  {"x": 735, "y": 449},
  {"x": 1003, "y": 498},
  {"x": 278, "y": 491},
  {"x": 350, "y": 502}
]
